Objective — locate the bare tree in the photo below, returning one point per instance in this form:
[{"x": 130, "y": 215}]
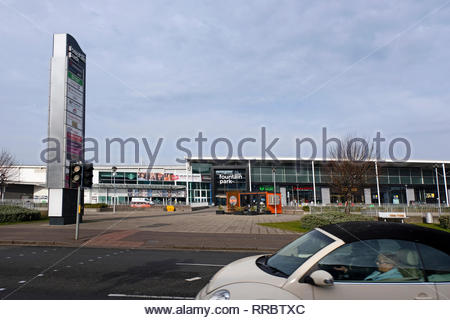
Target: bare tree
[
  {"x": 350, "y": 167},
  {"x": 7, "y": 170}
]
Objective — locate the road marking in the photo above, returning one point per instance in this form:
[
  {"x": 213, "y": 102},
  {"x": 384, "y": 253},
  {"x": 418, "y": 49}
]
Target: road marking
[
  {"x": 8, "y": 257},
  {"x": 80, "y": 262},
  {"x": 21, "y": 255},
  {"x": 40, "y": 275},
  {"x": 120, "y": 295},
  {"x": 107, "y": 255},
  {"x": 56, "y": 270},
  {"x": 90, "y": 260},
  {"x": 200, "y": 264},
  {"x": 22, "y": 281},
  {"x": 99, "y": 257},
  {"x": 193, "y": 279},
  {"x": 2, "y": 289},
  {"x": 68, "y": 266}
]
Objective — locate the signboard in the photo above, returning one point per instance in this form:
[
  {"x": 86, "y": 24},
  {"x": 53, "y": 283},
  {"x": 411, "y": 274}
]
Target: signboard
[
  {"x": 229, "y": 176},
  {"x": 66, "y": 128},
  {"x": 392, "y": 215},
  {"x": 266, "y": 188}
]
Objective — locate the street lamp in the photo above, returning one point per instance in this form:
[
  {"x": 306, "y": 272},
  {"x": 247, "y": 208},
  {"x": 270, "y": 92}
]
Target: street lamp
[
  {"x": 114, "y": 171},
  {"x": 274, "y": 191},
  {"x": 406, "y": 195},
  {"x": 437, "y": 186}
]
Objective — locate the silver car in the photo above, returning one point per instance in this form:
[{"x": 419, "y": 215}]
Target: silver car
[{"x": 354, "y": 260}]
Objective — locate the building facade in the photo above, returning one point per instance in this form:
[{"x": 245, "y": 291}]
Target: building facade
[{"x": 206, "y": 181}]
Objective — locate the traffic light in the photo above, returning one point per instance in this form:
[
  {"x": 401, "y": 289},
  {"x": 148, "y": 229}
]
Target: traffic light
[
  {"x": 75, "y": 174},
  {"x": 88, "y": 175}
]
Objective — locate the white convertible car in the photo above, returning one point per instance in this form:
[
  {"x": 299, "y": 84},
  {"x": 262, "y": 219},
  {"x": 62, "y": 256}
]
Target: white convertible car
[{"x": 354, "y": 260}]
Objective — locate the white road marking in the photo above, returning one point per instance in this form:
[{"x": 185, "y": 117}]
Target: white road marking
[
  {"x": 200, "y": 264},
  {"x": 2, "y": 289},
  {"x": 81, "y": 263},
  {"x": 56, "y": 270},
  {"x": 68, "y": 266},
  {"x": 107, "y": 255},
  {"x": 148, "y": 297},
  {"x": 99, "y": 257},
  {"x": 8, "y": 257},
  {"x": 21, "y": 255},
  {"x": 22, "y": 281},
  {"x": 193, "y": 279},
  {"x": 40, "y": 275},
  {"x": 91, "y": 260}
]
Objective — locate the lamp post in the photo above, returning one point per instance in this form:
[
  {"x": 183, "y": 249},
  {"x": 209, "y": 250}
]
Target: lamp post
[
  {"x": 437, "y": 186},
  {"x": 406, "y": 195},
  {"x": 114, "y": 171},
  {"x": 274, "y": 191}
]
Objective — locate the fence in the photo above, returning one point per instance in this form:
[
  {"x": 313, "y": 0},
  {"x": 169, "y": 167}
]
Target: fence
[
  {"x": 30, "y": 204},
  {"x": 373, "y": 210}
]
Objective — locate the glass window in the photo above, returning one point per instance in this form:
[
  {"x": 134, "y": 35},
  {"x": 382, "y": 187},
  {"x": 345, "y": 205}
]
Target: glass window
[
  {"x": 382, "y": 260},
  {"x": 436, "y": 263},
  {"x": 405, "y": 176},
  {"x": 289, "y": 258},
  {"x": 394, "y": 177}
]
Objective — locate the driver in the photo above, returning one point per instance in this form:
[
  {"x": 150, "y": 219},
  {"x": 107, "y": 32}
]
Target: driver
[{"x": 387, "y": 269}]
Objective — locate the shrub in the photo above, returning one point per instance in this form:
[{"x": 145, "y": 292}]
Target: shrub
[
  {"x": 444, "y": 222},
  {"x": 305, "y": 208},
  {"x": 17, "y": 214},
  {"x": 312, "y": 221},
  {"x": 95, "y": 205}
]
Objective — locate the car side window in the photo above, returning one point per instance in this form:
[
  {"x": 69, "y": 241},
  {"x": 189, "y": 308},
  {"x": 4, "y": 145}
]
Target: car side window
[
  {"x": 436, "y": 263},
  {"x": 381, "y": 260}
]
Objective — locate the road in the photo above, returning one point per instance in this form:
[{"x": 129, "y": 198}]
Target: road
[{"x": 91, "y": 273}]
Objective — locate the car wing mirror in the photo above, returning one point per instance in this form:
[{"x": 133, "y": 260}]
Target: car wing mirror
[{"x": 320, "y": 278}]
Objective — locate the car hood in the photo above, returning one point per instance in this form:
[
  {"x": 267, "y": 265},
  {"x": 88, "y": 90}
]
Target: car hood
[{"x": 243, "y": 270}]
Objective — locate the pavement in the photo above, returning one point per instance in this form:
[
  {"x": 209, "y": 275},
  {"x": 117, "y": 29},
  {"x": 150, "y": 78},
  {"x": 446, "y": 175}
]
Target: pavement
[{"x": 197, "y": 230}]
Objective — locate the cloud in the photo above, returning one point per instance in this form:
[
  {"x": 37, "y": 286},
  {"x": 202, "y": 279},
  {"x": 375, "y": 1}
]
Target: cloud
[{"x": 174, "y": 68}]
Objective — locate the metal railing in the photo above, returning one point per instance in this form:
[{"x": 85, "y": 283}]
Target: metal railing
[{"x": 25, "y": 203}]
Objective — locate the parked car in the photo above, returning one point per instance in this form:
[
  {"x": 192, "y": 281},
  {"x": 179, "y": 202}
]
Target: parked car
[{"x": 353, "y": 260}]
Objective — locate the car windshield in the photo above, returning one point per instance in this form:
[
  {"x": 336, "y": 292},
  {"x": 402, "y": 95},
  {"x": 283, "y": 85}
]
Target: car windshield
[{"x": 292, "y": 256}]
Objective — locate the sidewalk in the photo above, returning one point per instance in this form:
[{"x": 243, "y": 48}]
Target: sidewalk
[{"x": 203, "y": 230}]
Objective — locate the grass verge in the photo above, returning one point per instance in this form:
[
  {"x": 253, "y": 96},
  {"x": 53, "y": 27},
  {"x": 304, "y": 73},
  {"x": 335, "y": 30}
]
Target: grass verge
[
  {"x": 296, "y": 226},
  {"x": 289, "y": 225},
  {"x": 432, "y": 226}
]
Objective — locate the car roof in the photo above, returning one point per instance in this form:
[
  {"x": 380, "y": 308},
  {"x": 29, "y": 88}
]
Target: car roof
[{"x": 367, "y": 230}]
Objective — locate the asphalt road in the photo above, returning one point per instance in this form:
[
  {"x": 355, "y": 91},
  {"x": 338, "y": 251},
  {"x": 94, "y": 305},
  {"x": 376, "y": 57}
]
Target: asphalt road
[{"x": 90, "y": 273}]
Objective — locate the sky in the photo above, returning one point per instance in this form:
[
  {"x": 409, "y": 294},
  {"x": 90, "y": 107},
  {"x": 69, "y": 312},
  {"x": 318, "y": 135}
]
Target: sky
[{"x": 171, "y": 69}]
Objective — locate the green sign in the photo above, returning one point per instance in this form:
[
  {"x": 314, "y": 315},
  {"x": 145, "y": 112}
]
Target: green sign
[
  {"x": 75, "y": 78},
  {"x": 266, "y": 188}
]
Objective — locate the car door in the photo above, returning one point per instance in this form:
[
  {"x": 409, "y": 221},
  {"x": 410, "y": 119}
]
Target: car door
[
  {"x": 375, "y": 269},
  {"x": 437, "y": 269}
]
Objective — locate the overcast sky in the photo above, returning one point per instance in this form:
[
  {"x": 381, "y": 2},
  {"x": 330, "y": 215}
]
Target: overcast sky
[{"x": 169, "y": 69}]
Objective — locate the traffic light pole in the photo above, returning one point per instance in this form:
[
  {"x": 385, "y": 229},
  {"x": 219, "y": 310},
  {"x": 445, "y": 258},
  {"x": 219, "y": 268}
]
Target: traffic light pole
[{"x": 77, "y": 227}]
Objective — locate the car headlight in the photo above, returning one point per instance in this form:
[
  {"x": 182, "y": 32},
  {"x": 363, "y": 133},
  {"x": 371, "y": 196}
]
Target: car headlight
[{"x": 221, "y": 295}]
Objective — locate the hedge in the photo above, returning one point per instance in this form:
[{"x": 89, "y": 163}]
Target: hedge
[
  {"x": 444, "y": 222},
  {"x": 95, "y": 205},
  {"x": 312, "y": 221},
  {"x": 17, "y": 214}
]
